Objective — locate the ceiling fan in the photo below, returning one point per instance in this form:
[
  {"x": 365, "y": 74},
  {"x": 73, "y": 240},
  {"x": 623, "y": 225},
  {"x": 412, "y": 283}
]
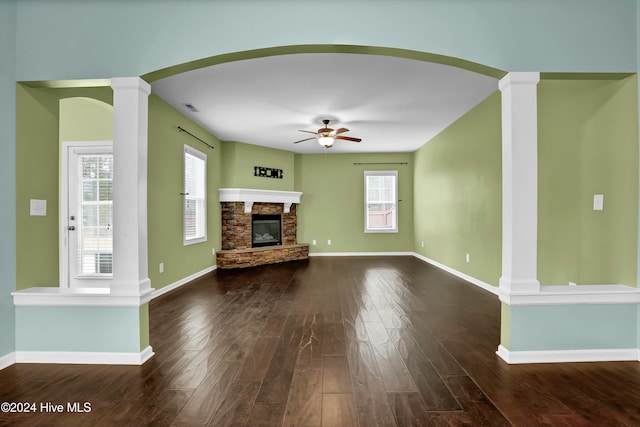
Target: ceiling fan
[{"x": 326, "y": 136}]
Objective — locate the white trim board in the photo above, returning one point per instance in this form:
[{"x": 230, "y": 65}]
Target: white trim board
[
  {"x": 569, "y": 356},
  {"x": 7, "y": 360},
  {"x": 487, "y": 287},
  {"x": 181, "y": 282},
  {"x": 84, "y": 357},
  {"x": 313, "y": 254},
  {"x": 57, "y": 296}
]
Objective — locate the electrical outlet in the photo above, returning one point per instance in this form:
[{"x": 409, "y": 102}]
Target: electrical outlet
[
  {"x": 161, "y": 268},
  {"x": 329, "y": 242},
  {"x": 422, "y": 244},
  {"x": 213, "y": 251},
  {"x": 468, "y": 258},
  {"x": 313, "y": 242}
]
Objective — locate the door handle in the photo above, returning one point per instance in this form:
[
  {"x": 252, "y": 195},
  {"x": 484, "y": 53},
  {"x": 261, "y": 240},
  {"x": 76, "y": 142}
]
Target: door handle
[{"x": 71, "y": 228}]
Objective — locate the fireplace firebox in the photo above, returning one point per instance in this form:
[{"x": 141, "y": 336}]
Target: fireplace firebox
[{"x": 266, "y": 230}]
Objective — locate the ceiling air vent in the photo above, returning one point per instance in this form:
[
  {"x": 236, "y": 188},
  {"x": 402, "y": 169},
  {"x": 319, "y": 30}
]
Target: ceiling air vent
[{"x": 192, "y": 108}]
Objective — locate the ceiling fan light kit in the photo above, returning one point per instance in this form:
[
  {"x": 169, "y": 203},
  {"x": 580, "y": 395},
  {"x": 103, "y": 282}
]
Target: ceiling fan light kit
[
  {"x": 326, "y": 141},
  {"x": 326, "y": 136}
]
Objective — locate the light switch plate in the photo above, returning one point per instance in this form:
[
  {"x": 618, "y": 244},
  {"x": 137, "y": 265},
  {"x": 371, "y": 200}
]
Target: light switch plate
[
  {"x": 38, "y": 207},
  {"x": 598, "y": 202}
]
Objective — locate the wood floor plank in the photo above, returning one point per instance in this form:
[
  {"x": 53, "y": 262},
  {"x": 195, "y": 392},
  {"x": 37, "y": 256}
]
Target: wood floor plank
[
  {"x": 234, "y": 409},
  {"x": 336, "y": 375},
  {"x": 338, "y": 410},
  {"x": 333, "y": 339},
  {"x": 370, "y": 396},
  {"x": 205, "y": 400},
  {"x": 304, "y": 406},
  {"x": 393, "y": 371},
  {"x": 409, "y": 409}
]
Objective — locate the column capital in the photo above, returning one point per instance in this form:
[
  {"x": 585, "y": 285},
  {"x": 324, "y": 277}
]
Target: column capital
[
  {"x": 519, "y": 78},
  {"x": 128, "y": 83}
]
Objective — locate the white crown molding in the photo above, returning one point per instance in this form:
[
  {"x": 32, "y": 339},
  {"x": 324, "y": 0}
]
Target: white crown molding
[
  {"x": 181, "y": 282},
  {"x": 56, "y": 296},
  {"x": 84, "y": 357},
  {"x": 7, "y": 360},
  {"x": 519, "y": 78},
  {"x": 250, "y": 196},
  {"x": 568, "y": 356},
  {"x": 130, "y": 83}
]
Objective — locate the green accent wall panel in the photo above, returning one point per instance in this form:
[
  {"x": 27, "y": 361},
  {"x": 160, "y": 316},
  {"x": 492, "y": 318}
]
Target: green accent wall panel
[
  {"x": 85, "y": 119},
  {"x": 458, "y": 194},
  {"x": 165, "y": 204},
  {"x": 332, "y": 205},
  {"x": 588, "y": 144},
  {"x": 239, "y": 159}
]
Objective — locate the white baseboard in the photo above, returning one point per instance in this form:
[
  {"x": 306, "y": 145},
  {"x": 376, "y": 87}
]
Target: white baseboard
[
  {"x": 7, "y": 360},
  {"x": 568, "y": 356},
  {"x": 84, "y": 357},
  {"x": 181, "y": 282},
  {"x": 361, "y": 253},
  {"x": 487, "y": 287}
]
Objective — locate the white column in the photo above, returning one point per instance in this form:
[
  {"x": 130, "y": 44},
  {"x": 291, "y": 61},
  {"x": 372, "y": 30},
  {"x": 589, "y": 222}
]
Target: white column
[
  {"x": 130, "y": 128},
  {"x": 519, "y": 182}
]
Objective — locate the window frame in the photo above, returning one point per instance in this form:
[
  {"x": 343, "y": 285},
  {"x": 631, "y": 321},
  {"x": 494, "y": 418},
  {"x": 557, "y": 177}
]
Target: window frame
[
  {"x": 394, "y": 174},
  {"x": 202, "y": 237}
]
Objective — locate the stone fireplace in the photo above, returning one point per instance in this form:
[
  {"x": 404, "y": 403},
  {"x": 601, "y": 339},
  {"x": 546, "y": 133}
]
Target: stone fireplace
[{"x": 246, "y": 245}]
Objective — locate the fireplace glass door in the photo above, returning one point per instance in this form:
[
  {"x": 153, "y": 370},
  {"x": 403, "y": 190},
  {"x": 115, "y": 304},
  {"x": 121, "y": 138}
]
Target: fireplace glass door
[{"x": 266, "y": 230}]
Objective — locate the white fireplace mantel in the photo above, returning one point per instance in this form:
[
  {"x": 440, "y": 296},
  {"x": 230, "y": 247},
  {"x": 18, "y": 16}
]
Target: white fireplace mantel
[{"x": 250, "y": 196}]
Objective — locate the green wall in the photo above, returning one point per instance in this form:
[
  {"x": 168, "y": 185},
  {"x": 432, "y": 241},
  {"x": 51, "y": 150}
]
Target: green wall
[
  {"x": 37, "y": 247},
  {"x": 588, "y": 144},
  {"x": 37, "y": 173},
  {"x": 332, "y": 205},
  {"x": 85, "y": 119},
  {"x": 458, "y": 194},
  {"x": 165, "y": 183},
  {"x": 239, "y": 159}
]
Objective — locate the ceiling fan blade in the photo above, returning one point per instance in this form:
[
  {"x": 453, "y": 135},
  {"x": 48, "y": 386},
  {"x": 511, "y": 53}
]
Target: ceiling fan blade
[
  {"x": 306, "y": 139},
  {"x": 307, "y": 131},
  {"x": 339, "y": 131},
  {"x": 348, "y": 138}
]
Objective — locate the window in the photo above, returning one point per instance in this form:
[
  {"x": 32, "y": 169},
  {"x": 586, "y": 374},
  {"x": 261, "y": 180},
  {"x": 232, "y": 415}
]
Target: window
[
  {"x": 195, "y": 196},
  {"x": 381, "y": 201}
]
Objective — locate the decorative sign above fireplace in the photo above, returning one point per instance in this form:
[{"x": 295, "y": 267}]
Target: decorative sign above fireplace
[{"x": 267, "y": 172}]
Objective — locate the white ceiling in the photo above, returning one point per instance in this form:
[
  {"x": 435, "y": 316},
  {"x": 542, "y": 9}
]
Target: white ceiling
[{"x": 393, "y": 104}]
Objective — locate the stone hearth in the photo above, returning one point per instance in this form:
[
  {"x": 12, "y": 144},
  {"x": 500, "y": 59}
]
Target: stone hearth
[{"x": 238, "y": 205}]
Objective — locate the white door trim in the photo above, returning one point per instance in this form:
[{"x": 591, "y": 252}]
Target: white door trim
[{"x": 63, "y": 256}]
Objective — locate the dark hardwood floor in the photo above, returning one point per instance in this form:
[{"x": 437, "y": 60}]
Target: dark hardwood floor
[{"x": 387, "y": 341}]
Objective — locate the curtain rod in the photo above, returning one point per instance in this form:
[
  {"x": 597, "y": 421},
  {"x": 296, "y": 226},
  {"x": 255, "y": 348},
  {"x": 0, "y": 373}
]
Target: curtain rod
[
  {"x": 193, "y": 136},
  {"x": 382, "y": 163}
]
